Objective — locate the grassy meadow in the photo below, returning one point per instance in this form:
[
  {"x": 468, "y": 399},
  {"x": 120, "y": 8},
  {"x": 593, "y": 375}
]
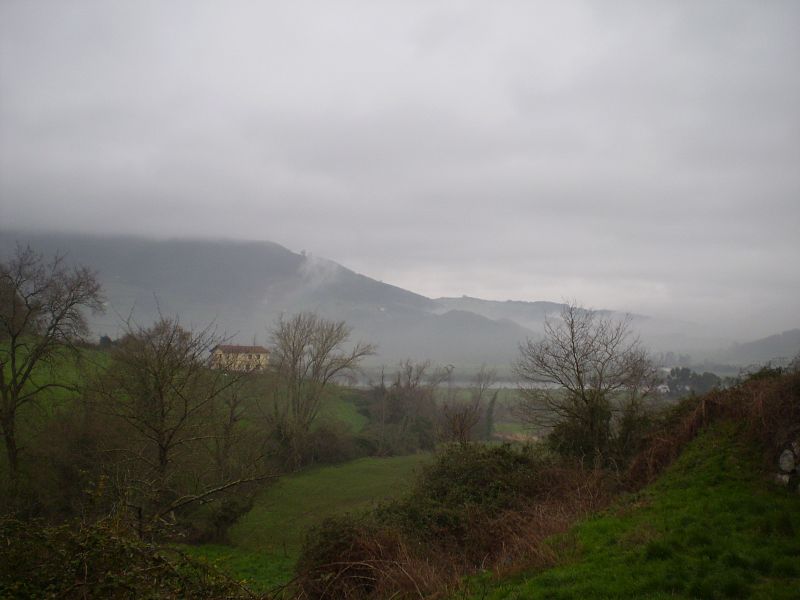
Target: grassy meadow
[
  {"x": 265, "y": 543},
  {"x": 339, "y": 408}
]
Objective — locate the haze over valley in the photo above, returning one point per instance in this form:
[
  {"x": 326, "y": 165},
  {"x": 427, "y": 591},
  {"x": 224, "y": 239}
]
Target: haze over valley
[{"x": 243, "y": 287}]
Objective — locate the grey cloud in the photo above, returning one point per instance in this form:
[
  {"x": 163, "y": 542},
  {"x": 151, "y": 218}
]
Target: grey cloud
[{"x": 637, "y": 155}]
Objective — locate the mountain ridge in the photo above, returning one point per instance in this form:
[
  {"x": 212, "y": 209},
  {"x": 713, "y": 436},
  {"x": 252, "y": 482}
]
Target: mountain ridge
[{"x": 244, "y": 286}]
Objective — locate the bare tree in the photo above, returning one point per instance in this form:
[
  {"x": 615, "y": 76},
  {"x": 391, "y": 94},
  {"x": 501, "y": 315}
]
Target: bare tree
[
  {"x": 233, "y": 445},
  {"x": 460, "y": 417},
  {"x": 585, "y": 367},
  {"x": 159, "y": 384},
  {"x": 42, "y": 308},
  {"x": 405, "y": 412},
  {"x": 309, "y": 354}
]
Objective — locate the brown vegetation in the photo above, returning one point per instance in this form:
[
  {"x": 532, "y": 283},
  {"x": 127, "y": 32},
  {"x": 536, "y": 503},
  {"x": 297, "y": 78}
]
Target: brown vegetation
[
  {"x": 450, "y": 527},
  {"x": 476, "y": 508},
  {"x": 768, "y": 402},
  {"x": 460, "y": 418}
]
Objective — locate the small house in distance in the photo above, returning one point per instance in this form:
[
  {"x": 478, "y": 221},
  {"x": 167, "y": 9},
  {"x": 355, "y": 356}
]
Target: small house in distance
[{"x": 239, "y": 358}]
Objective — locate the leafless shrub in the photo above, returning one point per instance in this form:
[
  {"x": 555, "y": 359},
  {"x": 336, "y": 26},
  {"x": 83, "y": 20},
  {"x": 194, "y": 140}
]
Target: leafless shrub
[{"x": 769, "y": 409}]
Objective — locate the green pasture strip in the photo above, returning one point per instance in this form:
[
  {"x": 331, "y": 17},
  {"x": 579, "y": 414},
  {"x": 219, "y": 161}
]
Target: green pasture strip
[
  {"x": 265, "y": 542},
  {"x": 340, "y": 408},
  {"x": 283, "y": 512}
]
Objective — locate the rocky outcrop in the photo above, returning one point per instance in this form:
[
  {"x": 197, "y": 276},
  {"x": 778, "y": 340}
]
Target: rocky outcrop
[{"x": 789, "y": 466}]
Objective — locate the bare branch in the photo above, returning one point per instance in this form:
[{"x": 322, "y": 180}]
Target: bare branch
[
  {"x": 189, "y": 499},
  {"x": 585, "y": 364},
  {"x": 309, "y": 354},
  {"x": 42, "y": 312}
]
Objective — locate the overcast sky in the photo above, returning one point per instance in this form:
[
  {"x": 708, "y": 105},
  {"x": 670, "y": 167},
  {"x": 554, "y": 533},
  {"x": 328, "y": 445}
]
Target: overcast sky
[{"x": 635, "y": 155}]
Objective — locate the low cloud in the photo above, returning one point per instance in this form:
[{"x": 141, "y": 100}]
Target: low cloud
[{"x": 637, "y": 156}]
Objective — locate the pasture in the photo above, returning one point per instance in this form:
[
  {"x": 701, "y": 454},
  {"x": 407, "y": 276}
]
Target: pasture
[{"x": 265, "y": 543}]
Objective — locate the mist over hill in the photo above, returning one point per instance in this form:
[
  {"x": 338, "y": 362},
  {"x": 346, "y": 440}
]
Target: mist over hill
[
  {"x": 777, "y": 349},
  {"x": 243, "y": 287},
  {"x": 700, "y": 340}
]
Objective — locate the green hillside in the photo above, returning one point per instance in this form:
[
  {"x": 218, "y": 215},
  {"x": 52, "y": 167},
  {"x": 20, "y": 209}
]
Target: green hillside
[
  {"x": 343, "y": 410},
  {"x": 712, "y": 526}
]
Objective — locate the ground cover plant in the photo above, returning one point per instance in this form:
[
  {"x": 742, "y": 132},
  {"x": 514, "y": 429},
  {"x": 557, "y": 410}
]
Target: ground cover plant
[
  {"x": 711, "y": 527},
  {"x": 101, "y": 560}
]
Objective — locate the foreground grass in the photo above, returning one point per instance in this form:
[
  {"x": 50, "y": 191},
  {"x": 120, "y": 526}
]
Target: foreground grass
[
  {"x": 711, "y": 527},
  {"x": 266, "y": 541},
  {"x": 260, "y": 571}
]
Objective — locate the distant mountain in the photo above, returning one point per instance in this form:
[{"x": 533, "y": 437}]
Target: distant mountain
[
  {"x": 244, "y": 286},
  {"x": 660, "y": 335},
  {"x": 526, "y": 314},
  {"x": 778, "y": 349}
]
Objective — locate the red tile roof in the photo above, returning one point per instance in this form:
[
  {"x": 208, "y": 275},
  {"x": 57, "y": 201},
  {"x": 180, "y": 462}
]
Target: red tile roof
[{"x": 241, "y": 349}]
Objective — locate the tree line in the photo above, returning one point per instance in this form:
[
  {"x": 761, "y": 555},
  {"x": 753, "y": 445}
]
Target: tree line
[{"x": 142, "y": 426}]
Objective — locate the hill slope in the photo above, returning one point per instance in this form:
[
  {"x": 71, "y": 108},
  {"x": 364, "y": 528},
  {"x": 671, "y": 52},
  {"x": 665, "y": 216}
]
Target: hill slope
[
  {"x": 710, "y": 527},
  {"x": 778, "y": 348},
  {"x": 244, "y": 286}
]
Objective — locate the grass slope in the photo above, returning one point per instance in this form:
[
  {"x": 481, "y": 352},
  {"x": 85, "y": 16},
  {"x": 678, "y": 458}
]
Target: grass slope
[
  {"x": 69, "y": 369},
  {"x": 710, "y": 527},
  {"x": 344, "y": 410},
  {"x": 267, "y": 540}
]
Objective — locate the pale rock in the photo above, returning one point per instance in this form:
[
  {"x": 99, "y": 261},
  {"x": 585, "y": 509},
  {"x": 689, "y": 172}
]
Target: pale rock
[{"x": 786, "y": 461}]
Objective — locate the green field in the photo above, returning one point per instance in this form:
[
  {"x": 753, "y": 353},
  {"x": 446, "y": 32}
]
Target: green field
[
  {"x": 69, "y": 370},
  {"x": 712, "y": 527},
  {"x": 266, "y": 541},
  {"x": 339, "y": 408}
]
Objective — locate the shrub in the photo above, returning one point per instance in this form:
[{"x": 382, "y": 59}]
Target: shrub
[
  {"x": 573, "y": 437},
  {"x": 768, "y": 405},
  {"x": 209, "y": 522},
  {"x": 480, "y": 507},
  {"x": 98, "y": 561},
  {"x": 330, "y": 443},
  {"x": 349, "y": 557},
  {"x": 473, "y": 506}
]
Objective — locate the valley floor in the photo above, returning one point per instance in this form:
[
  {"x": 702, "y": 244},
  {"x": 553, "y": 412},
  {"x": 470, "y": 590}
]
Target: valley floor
[{"x": 265, "y": 543}]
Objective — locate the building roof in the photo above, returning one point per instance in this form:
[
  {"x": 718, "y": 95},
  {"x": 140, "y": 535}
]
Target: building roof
[{"x": 241, "y": 349}]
